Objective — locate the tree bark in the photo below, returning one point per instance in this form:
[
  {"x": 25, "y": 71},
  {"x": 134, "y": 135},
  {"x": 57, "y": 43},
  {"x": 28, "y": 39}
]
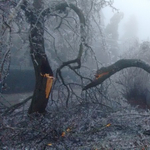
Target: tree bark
[
  {"x": 106, "y": 72},
  {"x": 43, "y": 71}
]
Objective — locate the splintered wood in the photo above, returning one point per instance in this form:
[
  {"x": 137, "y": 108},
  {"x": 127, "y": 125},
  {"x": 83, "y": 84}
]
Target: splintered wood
[
  {"x": 49, "y": 83},
  {"x": 100, "y": 75}
]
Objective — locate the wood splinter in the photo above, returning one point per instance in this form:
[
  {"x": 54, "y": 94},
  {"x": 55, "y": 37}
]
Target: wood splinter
[{"x": 49, "y": 83}]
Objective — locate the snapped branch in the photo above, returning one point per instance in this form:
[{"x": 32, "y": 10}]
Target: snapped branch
[{"x": 105, "y": 72}]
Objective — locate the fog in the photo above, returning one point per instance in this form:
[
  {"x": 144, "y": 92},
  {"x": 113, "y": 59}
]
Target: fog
[{"x": 139, "y": 8}]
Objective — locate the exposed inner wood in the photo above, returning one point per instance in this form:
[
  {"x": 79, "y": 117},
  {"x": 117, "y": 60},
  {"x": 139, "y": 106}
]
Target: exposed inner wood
[
  {"x": 48, "y": 84},
  {"x": 100, "y": 75}
]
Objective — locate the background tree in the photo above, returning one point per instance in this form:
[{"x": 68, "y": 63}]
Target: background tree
[
  {"x": 112, "y": 34},
  {"x": 6, "y": 17},
  {"x": 129, "y": 38}
]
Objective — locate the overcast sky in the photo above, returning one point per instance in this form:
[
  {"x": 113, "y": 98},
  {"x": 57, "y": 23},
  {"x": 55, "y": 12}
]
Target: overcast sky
[{"x": 139, "y": 8}]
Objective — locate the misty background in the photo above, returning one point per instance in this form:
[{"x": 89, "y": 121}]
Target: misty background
[{"x": 137, "y": 8}]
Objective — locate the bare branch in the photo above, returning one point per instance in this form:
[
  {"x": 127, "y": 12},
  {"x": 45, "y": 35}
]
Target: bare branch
[{"x": 14, "y": 107}]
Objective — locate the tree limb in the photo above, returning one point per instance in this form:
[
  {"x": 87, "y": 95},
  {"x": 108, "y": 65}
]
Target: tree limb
[
  {"x": 16, "y": 106},
  {"x": 106, "y": 72}
]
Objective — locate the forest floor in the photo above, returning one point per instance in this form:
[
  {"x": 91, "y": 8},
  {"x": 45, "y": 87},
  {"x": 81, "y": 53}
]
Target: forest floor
[{"x": 85, "y": 126}]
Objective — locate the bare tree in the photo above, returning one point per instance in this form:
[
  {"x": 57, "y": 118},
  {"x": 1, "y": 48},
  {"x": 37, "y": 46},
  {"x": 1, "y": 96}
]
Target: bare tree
[
  {"x": 7, "y": 15},
  {"x": 43, "y": 71}
]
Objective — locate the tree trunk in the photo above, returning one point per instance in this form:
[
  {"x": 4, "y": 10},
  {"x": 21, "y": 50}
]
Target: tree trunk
[{"x": 43, "y": 71}]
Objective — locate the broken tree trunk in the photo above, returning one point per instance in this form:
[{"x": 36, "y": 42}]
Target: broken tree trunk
[
  {"x": 105, "y": 72},
  {"x": 43, "y": 71}
]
